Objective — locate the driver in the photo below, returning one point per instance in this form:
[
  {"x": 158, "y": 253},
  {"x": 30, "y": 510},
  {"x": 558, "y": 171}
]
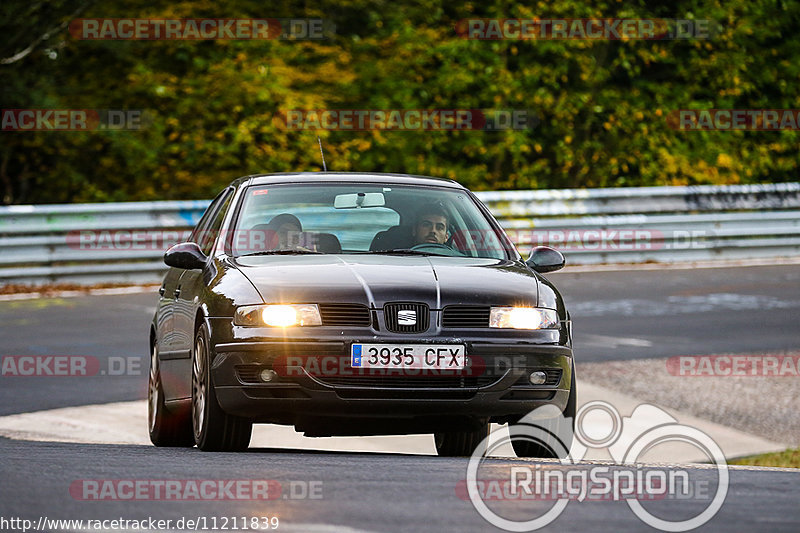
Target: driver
[{"x": 431, "y": 225}]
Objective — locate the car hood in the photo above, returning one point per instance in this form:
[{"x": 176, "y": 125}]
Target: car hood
[{"x": 374, "y": 280}]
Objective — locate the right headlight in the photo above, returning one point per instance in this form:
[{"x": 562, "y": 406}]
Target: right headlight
[
  {"x": 278, "y": 315},
  {"x": 523, "y": 318}
]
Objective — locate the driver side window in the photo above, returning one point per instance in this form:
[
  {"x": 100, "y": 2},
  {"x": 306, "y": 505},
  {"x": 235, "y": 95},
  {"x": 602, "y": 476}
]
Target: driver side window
[{"x": 207, "y": 230}]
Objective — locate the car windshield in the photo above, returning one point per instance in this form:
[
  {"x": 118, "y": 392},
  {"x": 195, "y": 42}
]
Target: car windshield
[{"x": 364, "y": 218}]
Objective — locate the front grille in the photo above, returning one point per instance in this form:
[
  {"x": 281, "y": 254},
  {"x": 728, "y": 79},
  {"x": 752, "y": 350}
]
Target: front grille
[
  {"x": 553, "y": 377},
  {"x": 389, "y": 382},
  {"x": 406, "y": 394},
  {"x": 391, "y": 316},
  {"x": 344, "y": 315},
  {"x": 465, "y": 316}
]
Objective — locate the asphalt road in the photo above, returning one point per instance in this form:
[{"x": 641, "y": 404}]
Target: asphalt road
[
  {"x": 359, "y": 492},
  {"x": 617, "y": 316},
  {"x": 744, "y": 310}
]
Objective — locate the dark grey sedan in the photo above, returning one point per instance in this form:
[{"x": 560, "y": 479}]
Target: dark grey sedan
[{"x": 354, "y": 304}]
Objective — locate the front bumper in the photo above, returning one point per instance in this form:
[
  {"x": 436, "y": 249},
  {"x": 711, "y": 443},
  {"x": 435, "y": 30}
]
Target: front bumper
[{"x": 327, "y": 403}]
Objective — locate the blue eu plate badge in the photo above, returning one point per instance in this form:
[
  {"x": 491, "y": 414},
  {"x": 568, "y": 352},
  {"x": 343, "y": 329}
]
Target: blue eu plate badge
[{"x": 356, "y": 355}]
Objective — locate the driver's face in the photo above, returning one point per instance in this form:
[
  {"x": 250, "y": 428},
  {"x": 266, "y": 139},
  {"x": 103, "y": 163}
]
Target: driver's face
[{"x": 431, "y": 228}]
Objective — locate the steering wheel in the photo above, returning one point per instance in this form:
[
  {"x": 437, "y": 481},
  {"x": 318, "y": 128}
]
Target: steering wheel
[{"x": 435, "y": 248}]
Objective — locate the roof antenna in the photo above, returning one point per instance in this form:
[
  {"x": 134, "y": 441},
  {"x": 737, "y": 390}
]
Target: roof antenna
[{"x": 324, "y": 167}]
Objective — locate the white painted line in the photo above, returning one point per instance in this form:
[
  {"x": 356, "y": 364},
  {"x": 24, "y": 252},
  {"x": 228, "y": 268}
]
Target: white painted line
[
  {"x": 124, "y": 423},
  {"x": 133, "y": 289},
  {"x": 615, "y": 342},
  {"x": 734, "y": 443},
  {"x": 683, "y": 265}
]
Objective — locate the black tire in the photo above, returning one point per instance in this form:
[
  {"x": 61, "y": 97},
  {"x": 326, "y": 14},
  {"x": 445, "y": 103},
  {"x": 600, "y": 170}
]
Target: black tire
[
  {"x": 213, "y": 428},
  {"x": 167, "y": 428},
  {"x": 460, "y": 443},
  {"x": 554, "y": 426}
]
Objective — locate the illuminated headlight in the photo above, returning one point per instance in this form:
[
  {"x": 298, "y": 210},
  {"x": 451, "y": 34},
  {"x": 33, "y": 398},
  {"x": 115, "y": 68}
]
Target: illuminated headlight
[
  {"x": 523, "y": 318},
  {"x": 278, "y": 315}
]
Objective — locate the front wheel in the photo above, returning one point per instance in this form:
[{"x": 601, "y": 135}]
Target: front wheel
[
  {"x": 167, "y": 428},
  {"x": 460, "y": 443},
  {"x": 214, "y": 429}
]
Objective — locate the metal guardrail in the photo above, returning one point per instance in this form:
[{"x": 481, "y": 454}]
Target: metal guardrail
[{"x": 40, "y": 244}]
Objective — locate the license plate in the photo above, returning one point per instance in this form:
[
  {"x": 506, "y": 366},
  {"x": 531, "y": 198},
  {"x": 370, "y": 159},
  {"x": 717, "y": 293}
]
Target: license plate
[{"x": 433, "y": 356}]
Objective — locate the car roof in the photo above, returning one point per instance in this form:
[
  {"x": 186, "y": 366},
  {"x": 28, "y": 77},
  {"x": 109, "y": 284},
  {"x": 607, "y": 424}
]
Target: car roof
[{"x": 359, "y": 177}]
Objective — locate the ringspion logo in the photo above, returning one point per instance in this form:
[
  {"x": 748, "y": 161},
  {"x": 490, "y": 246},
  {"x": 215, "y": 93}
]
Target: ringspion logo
[{"x": 626, "y": 439}]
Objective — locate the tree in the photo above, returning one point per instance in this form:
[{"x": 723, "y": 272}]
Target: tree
[{"x": 213, "y": 108}]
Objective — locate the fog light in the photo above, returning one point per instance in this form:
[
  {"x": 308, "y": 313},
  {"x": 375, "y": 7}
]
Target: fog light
[
  {"x": 268, "y": 375},
  {"x": 537, "y": 378}
]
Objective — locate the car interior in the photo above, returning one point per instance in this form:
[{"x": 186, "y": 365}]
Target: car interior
[
  {"x": 392, "y": 238},
  {"x": 360, "y": 221},
  {"x": 264, "y": 238}
]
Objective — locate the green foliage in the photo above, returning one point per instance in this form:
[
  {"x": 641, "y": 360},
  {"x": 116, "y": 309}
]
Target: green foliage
[
  {"x": 211, "y": 105},
  {"x": 785, "y": 459}
]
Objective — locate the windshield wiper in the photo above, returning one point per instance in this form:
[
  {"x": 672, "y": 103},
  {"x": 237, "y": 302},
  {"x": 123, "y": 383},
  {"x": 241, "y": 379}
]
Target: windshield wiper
[
  {"x": 404, "y": 251},
  {"x": 280, "y": 252}
]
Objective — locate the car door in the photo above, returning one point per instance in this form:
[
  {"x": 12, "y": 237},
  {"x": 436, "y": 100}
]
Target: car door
[
  {"x": 184, "y": 299},
  {"x": 191, "y": 284},
  {"x": 164, "y": 312}
]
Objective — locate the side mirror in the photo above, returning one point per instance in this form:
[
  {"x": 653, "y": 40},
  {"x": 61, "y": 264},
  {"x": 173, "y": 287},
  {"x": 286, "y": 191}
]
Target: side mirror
[
  {"x": 186, "y": 255},
  {"x": 545, "y": 259}
]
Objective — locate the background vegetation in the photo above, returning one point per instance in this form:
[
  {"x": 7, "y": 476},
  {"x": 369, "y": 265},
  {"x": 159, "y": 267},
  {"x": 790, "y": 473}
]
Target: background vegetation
[
  {"x": 785, "y": 459},
  {"x": 601, "y": 105}
]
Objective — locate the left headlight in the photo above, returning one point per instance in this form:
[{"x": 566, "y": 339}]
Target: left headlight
[
  {"x": 523, "y": 318},
  {"x": 278, "y": 315}
]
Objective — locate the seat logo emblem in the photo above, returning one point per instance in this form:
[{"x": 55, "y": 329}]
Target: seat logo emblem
[{"x": 407, "y": 318}]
